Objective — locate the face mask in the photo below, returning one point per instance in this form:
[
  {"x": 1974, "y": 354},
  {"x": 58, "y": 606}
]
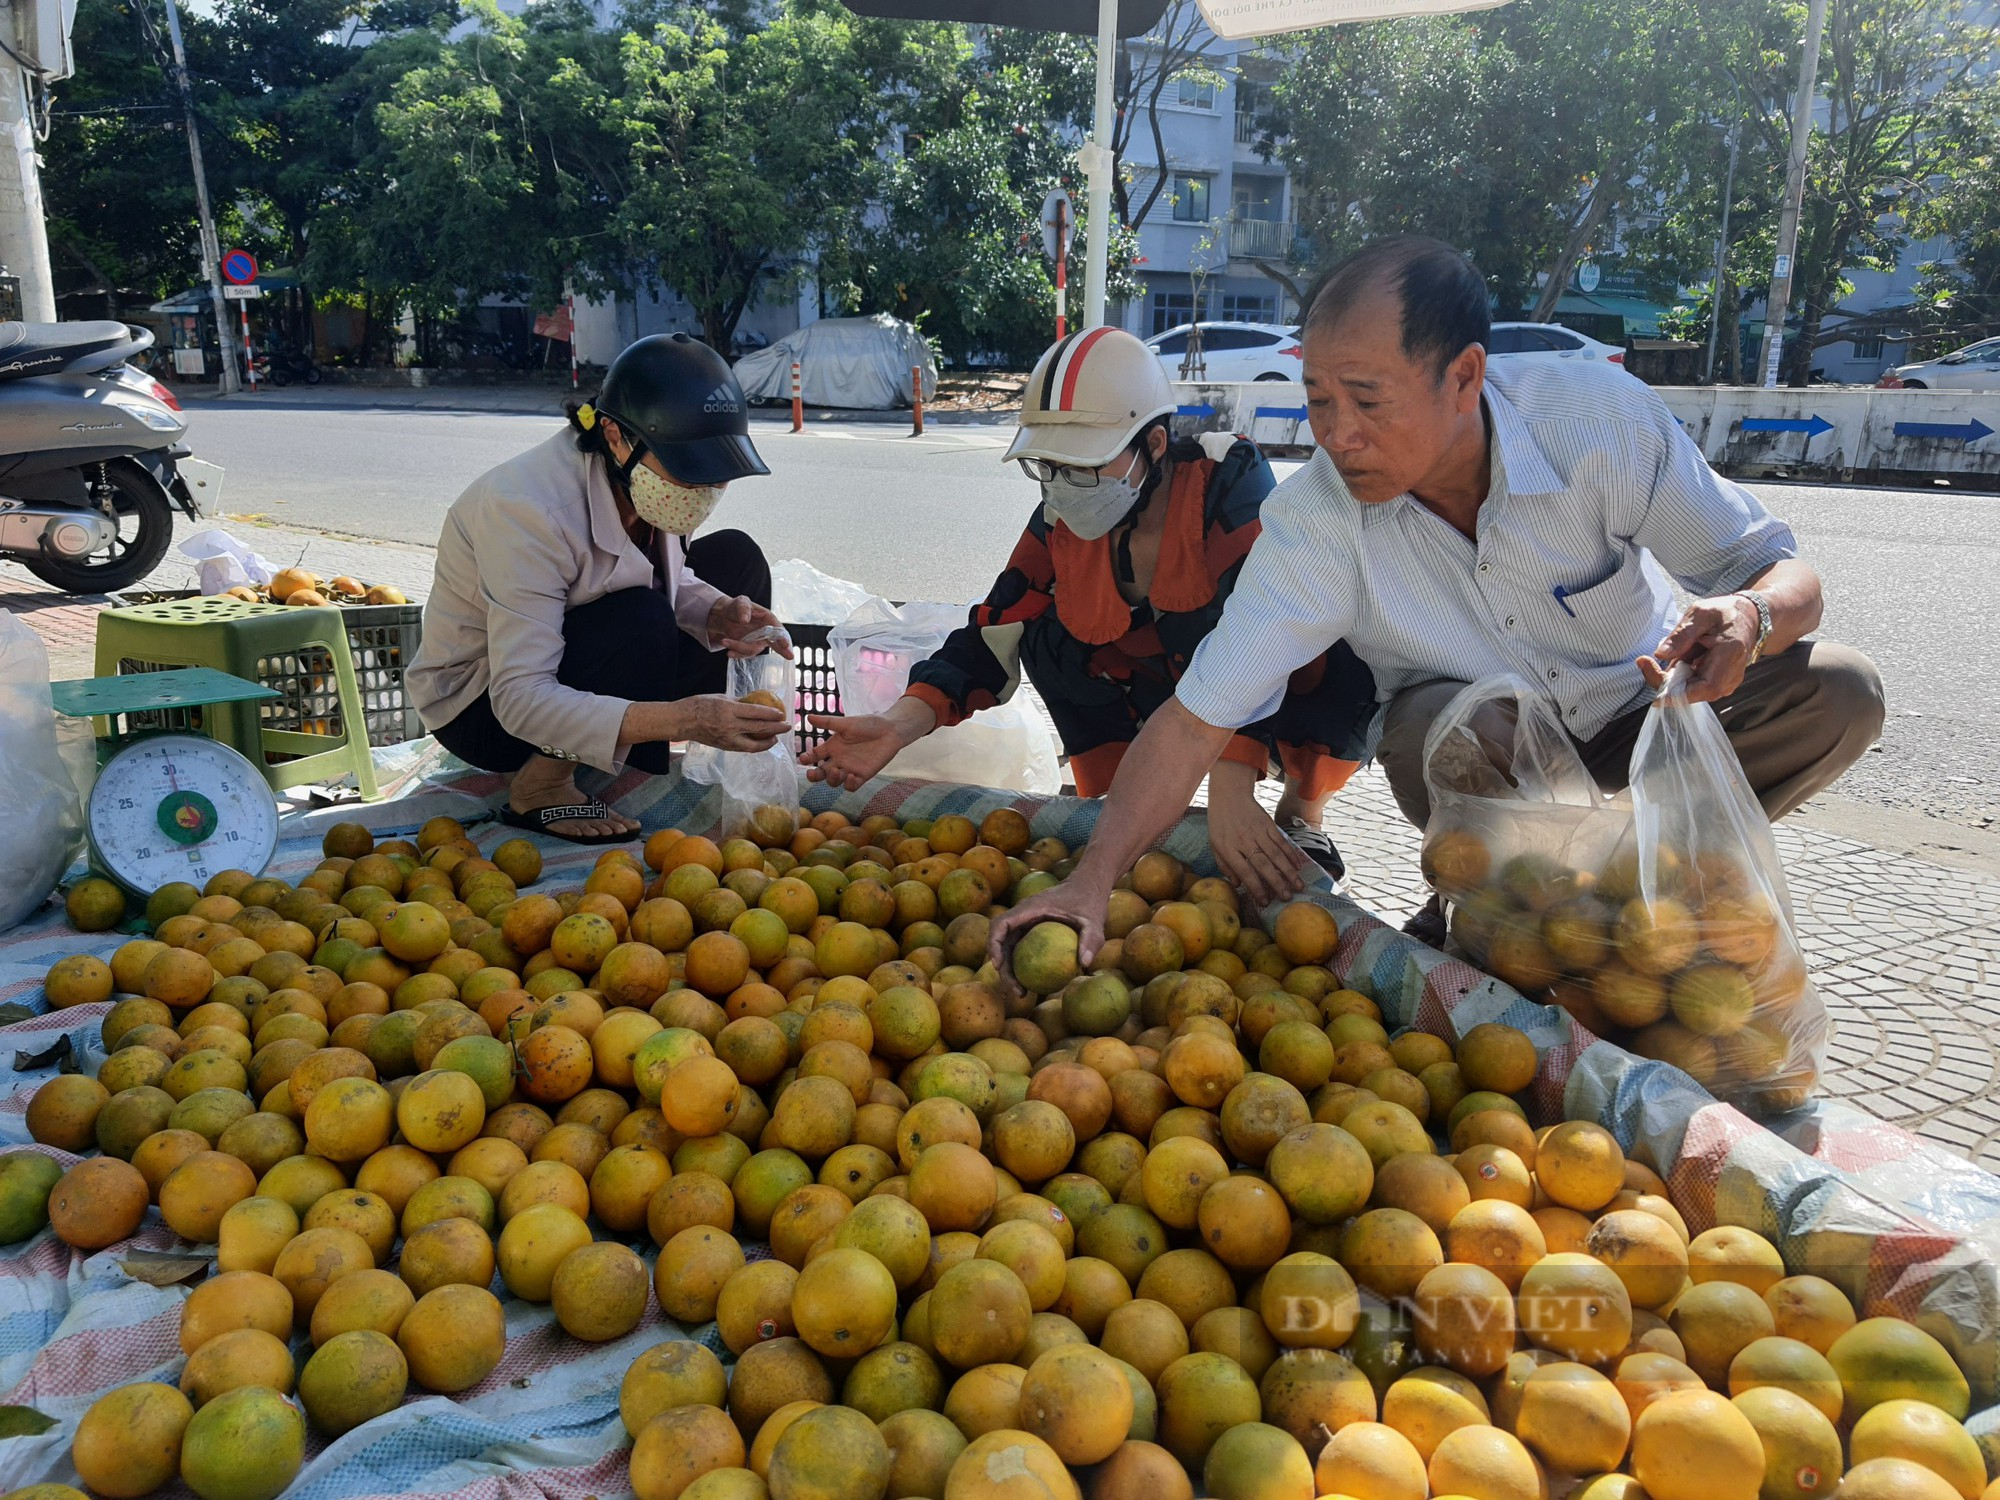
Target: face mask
[
  {"x": 1091, "y": 512},
  {"x": 677, "y": 509}
]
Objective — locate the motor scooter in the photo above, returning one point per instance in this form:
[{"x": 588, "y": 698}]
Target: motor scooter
[{"x": 92, "y": 462}]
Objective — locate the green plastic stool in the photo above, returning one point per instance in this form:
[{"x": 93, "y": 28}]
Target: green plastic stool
[{"x": 301, "y": 653}]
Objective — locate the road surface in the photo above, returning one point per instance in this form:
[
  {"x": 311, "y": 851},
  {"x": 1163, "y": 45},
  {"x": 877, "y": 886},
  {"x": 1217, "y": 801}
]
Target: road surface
[{"x": 1913, "y": 577}]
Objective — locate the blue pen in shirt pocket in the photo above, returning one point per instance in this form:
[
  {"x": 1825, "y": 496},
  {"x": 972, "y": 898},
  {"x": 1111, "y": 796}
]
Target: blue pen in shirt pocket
[{"x": 1562, "y": 597}]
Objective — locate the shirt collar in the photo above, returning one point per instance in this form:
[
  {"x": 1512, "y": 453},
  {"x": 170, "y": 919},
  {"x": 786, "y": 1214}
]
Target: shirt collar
[
  {"x": 607, "y": 531},
  {"x": 1521, "y": 458}
]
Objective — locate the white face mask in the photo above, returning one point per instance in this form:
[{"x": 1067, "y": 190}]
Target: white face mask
[
  {"x": 677, "y": 509},
  {"x": 1091, "y": 512}
]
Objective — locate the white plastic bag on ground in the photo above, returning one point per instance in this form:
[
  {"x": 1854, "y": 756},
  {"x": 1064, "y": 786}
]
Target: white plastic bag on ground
[
  {"x": 1005, "y": 746},
  {"x": 39, "y": 804},
  {"x": 222, "y": 562}
]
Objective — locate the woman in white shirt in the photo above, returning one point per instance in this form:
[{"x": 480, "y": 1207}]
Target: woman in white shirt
[{"x": 572, "y": 622}]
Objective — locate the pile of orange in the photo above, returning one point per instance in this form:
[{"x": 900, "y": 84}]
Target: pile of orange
[
  {"x": 1690, "y": 961},
  {"x": 1188, "y": 1218}
]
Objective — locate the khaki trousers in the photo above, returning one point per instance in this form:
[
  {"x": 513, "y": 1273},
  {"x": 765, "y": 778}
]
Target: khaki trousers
[{"x": 1800, "y": 719}]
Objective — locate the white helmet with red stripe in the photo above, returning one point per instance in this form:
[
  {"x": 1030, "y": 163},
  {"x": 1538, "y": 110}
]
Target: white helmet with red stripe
[{"x": 1090, "y": 395}]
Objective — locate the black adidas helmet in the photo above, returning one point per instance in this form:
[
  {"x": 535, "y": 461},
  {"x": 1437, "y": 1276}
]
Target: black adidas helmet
[{"x": 678, "y": 398}]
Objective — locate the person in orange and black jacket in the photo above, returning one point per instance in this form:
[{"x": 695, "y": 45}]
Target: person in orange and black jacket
[{"x": 1117, "y": 579}]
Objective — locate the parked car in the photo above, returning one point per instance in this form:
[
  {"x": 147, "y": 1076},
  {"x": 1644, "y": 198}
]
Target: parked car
[
  {"x": 1548, "y": 341},
  {"x": 1232, "y": 351},
  {"x": 1976, "y": 367}
]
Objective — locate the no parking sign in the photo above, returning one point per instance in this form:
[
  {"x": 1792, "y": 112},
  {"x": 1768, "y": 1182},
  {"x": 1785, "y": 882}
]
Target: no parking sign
[{"x": 239, "y": 267}]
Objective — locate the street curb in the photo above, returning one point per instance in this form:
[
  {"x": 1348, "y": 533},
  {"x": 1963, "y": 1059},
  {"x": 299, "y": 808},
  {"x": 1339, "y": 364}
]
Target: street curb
[{"x": 443, "y": 400}]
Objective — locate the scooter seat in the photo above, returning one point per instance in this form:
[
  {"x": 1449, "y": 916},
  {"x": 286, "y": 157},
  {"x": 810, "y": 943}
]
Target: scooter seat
[{"x": 28, "y": 349}]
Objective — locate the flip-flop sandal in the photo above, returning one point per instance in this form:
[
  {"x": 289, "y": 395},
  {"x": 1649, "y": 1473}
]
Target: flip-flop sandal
[{"x": 538, "y": 822}]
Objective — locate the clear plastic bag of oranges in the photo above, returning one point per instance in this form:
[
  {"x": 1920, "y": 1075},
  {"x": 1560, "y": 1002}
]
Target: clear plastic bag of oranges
[{"x": 1658, "y": 917}]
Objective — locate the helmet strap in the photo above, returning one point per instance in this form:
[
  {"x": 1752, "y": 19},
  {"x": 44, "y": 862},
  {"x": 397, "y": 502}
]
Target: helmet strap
[{"x": 633, "y": 459}]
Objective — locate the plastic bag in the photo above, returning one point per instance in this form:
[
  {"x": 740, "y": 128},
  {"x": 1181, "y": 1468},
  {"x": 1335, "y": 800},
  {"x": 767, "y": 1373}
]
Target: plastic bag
[
  {"x": 1712, "y": 894},
  {"x": 1509, "y": 796},
  {"x": 222, "y": 562},
  {"x": 39, "y": 805},
  {"x": 1006, "y": 747},
  {"x": 1659, "y": 918},
  {"x": 875, "y": 647},
  {"x": 805, "y": 596},
  {"x": 760, "y": 792},
  {"x": 760, "y": 787}
]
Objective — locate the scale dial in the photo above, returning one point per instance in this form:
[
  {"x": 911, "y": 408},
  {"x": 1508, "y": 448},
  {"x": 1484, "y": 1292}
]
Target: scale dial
[{"x": 180, "y": 807}]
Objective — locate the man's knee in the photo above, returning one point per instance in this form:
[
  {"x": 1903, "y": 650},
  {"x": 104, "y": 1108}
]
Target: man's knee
[
  {"x": 1852, "y": 687},
  {"x": 1848, "y": 700},
  {"x": 1406, "y": 724}
]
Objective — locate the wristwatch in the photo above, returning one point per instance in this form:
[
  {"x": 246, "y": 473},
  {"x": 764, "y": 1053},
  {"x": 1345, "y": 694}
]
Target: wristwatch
[{"x": 1763, "y": 608}]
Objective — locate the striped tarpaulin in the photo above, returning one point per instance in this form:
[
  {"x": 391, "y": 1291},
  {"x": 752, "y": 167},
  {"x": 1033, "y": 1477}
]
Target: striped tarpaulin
[{"x": 1901, "y": 1225}]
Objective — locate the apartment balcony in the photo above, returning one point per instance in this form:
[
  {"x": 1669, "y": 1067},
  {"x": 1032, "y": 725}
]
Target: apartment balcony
[
  {"x": 1251, "y": 128},
  {"x": 1261, "y": 239}
]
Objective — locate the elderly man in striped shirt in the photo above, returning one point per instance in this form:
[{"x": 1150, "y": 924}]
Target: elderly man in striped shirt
[{"x": 1462, "y": 520}]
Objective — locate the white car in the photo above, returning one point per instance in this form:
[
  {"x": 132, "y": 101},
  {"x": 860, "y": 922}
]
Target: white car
[
  {"x": 1232, "y": 351},
  {"x": 1976, "y": 367},
  {"x": 1548, "y": 341}
]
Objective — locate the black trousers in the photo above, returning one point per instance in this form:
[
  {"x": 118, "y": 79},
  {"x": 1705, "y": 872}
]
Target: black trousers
[{"x": 627, "y": 645}]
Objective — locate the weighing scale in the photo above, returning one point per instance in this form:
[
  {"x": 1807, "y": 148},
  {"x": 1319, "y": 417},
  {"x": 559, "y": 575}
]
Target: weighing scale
[{"x": 171, "y": 804}]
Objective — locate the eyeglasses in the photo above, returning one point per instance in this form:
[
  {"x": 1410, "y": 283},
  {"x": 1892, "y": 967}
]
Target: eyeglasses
[{"x": 1042, "y": 472}]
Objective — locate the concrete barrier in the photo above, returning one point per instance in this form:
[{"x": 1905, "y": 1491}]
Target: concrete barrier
[
  {"x": 1844, "y": 432},
  {"x": 1273, "y": 412},
  {"x": 1823, "y": 432}
]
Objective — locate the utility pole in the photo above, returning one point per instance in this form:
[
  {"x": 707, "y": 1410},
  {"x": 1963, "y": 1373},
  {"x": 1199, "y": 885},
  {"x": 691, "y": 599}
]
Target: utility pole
[
  {"x": 1097, "y": 162},
  {"x": 211, "y": 247},
  {"x": 1777, "y": 302},
  {"x": 1722, "y": 252},
  {"x": 24, "y": 236}
]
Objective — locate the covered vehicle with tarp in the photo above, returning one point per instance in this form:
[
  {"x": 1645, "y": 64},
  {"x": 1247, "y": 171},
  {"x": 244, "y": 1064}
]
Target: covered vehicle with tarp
[{"x": 854, "y": 362}]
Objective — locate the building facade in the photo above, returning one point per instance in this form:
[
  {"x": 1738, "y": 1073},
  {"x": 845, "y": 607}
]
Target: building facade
[{"x": 1223, "y": 208}]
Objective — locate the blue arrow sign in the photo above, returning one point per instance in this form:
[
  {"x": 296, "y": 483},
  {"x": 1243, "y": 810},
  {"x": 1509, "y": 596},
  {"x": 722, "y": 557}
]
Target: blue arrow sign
[
  {"x": 1203, "y": 410},
  {"x": 1291, "y": 413},
  {"x": 1967, "y": 432},
  {"x": 1811, "y": 426}
]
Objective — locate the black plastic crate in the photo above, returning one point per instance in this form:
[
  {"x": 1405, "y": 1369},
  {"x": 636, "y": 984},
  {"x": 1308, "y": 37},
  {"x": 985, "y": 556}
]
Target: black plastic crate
[{"x": 819, "y": 693}]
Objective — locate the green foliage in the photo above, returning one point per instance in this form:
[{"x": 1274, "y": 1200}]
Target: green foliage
[
  {"x": 740, "y": 150},
  {"x": 956, "y": 244},
  {"x": 1517, "y": 133},
  {"x": 1513, "y": 133},
  {"x": 1958, "y": 299},
  {"x": 480, "y": 165},
  {"x": 116, "y": 142}
]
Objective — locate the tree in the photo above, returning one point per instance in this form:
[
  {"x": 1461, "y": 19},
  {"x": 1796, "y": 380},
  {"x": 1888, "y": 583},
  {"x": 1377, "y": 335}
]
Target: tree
[
  {"x": 1515, "y": 134},
  {"x": 1176, "y": 49},
  {"x": 1910, "y": 93},
  {"x": 121, "y": 216},
  {"x": 954, "y": 243},
  {"x": 1958, "y": 299},
  {"x": 484, "y": 170},
  {"x": 744, "y": 150}
]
